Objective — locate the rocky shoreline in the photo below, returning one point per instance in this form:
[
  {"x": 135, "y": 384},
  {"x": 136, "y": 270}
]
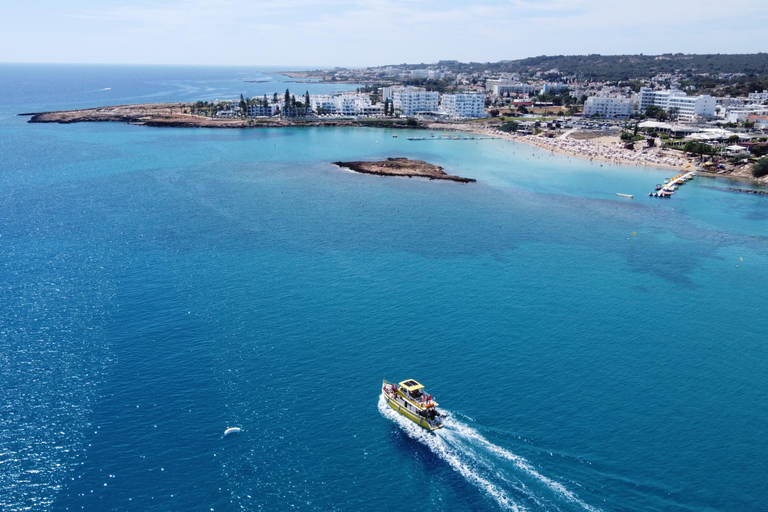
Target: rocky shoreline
[
  {"x": 403, "y": 167},
  {"x": 176, "y": 115},
  {"x": 742, "y": 190}
]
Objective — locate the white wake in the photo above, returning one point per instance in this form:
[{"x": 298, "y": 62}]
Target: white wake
[{"x": 482, "y": 464}]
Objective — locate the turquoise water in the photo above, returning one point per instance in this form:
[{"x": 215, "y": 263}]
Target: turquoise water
[{"x": 161, "y": 285}]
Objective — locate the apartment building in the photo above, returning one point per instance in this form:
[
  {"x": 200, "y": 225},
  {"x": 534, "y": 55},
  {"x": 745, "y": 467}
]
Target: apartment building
[
  {"x": 499, "y": 87},
  {"x": 463, "y": 105},
  {"x": 688, "y": 107},
  {"x": 758, "y": 97},
  {"x": 609, "y": 107},
  {"x": 414, "y": 100}
]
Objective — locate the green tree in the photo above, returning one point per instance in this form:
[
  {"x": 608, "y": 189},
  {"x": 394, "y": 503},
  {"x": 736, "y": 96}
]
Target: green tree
[
  {"x": 412, "y": 122},
  {"x": 761, "y": 168},
  {"x": 287, "y": 105},
  {"x": 510, "y": 126},
  {"x": 698, "y": 148},
  {"x": 656, "y": 112},
  {"x": 494, "y": 112}
]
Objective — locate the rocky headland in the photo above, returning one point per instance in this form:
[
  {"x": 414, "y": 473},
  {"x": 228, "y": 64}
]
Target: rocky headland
[{"x": 178, "y": 115}]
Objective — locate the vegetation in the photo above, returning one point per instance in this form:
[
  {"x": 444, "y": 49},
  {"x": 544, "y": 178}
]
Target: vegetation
[
  {"x": 698, "y": 148},
  {"x": 656, "y": 112},
  {"x": 625, "y": 68},
  {"x": 761, "y": 168},
  {"x": 510, "y": 126}
]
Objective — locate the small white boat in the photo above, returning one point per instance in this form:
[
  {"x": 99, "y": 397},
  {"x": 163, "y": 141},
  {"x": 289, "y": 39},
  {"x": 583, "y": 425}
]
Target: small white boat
[{"x": 625, "y": 195}]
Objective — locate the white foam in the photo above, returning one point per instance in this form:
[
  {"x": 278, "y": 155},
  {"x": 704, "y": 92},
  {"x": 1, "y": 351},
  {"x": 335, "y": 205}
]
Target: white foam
[
  {"x": 465, "y": 449},
  {"x": 468, "y": 432},
  {"x": 439, "y": 447}
]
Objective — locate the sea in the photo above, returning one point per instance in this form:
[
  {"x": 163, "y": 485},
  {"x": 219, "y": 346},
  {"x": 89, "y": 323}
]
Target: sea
[{"x": 160, "y": 285}]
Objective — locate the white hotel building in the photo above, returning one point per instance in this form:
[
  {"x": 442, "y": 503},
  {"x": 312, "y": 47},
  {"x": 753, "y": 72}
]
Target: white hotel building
[
  {"x": 758, "y": 97},
  {"x": 688, "y": 107},
  {"x": 412, "y": 100},
  {"x": 499, "y": 87},
  {"x": 604, "y": 106},
  {"x": 463, "y": 105}
]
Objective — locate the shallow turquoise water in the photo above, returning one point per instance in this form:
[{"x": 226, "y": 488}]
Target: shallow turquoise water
[{"x": 160, "y": 285}]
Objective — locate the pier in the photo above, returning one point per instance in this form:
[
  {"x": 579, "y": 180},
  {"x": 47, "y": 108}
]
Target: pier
[{"x": 669, "y": 188}]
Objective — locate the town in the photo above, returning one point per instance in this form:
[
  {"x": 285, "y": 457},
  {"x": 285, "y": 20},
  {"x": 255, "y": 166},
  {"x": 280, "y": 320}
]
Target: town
[{"x": 650, "y": 120}]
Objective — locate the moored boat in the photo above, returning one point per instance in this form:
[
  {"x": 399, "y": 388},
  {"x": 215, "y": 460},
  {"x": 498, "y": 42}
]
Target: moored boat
[{"x": 411, "y": 400}]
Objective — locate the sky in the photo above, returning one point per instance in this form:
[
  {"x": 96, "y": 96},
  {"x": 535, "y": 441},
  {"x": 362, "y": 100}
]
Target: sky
[{"x": 302, "y": 34}]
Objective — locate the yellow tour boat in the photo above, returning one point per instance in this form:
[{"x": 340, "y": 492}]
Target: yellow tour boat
[{"x": 411, "y": 400}]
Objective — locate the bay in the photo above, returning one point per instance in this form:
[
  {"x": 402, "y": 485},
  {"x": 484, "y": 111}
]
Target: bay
[{"x": 160, "y": 285}]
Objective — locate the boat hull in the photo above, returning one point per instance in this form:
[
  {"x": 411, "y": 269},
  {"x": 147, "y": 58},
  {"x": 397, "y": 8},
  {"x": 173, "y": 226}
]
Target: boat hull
[{"x": 422, "y": 422}]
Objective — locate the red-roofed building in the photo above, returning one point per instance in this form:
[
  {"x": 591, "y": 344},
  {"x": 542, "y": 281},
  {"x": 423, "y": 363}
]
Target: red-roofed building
[{"x": 761, "y": 122}]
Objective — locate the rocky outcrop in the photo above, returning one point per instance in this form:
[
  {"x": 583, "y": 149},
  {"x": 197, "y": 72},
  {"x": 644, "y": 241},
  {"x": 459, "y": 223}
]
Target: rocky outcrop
[{"x": 404, "y": 168}]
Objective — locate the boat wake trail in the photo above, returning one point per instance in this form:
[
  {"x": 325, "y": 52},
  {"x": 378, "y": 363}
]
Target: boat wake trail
[{"x": 509, "y": 479}]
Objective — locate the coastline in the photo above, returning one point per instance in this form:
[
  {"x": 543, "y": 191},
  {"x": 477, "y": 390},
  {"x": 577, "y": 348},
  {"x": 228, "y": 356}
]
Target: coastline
[
  {"x": 608, "y": 150},
  {"x": 175, "y": 115},
  {"x": 588, "y": 150}
]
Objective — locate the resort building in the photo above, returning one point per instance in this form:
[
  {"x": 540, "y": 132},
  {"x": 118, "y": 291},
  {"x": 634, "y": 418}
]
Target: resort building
[
  {"x": 603, "y": 106},
  {"x": 499, "y": 87},
  {"x": 345, "y": 104},
  {"x": 553, "y": 88},
  {"x": 463, "y": 105},
  {"x": 761, "y": 122},
  {"x": 413, "y": 100},
  {"x": 758, "y": 97},
  {"x": 262, "y": 110},
  {"x": 688, "y": 107},
  {"x": 738, "y": 115},
  {"x": 322, "y": 103},
  {"x": 424, "y": 73}
]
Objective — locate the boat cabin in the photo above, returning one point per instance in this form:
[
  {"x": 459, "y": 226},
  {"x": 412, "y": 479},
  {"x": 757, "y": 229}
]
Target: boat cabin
[{"x": 411, "y": 389}]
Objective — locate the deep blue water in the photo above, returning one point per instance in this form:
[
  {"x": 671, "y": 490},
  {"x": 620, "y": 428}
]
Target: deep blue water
[{"x": 160, "y": 285}]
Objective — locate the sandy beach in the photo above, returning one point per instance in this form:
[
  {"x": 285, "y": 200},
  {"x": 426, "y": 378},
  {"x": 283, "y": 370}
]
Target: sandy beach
[{"x": 602, "y": 149}]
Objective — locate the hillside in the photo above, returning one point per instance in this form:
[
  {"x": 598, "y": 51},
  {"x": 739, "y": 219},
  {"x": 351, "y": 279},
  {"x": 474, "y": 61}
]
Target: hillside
[{"x": 624, "y": 67}]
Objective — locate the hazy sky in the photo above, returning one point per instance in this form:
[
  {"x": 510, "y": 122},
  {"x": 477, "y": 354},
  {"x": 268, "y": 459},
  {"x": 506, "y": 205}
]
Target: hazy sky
[{"x": 300, "y": 33}]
